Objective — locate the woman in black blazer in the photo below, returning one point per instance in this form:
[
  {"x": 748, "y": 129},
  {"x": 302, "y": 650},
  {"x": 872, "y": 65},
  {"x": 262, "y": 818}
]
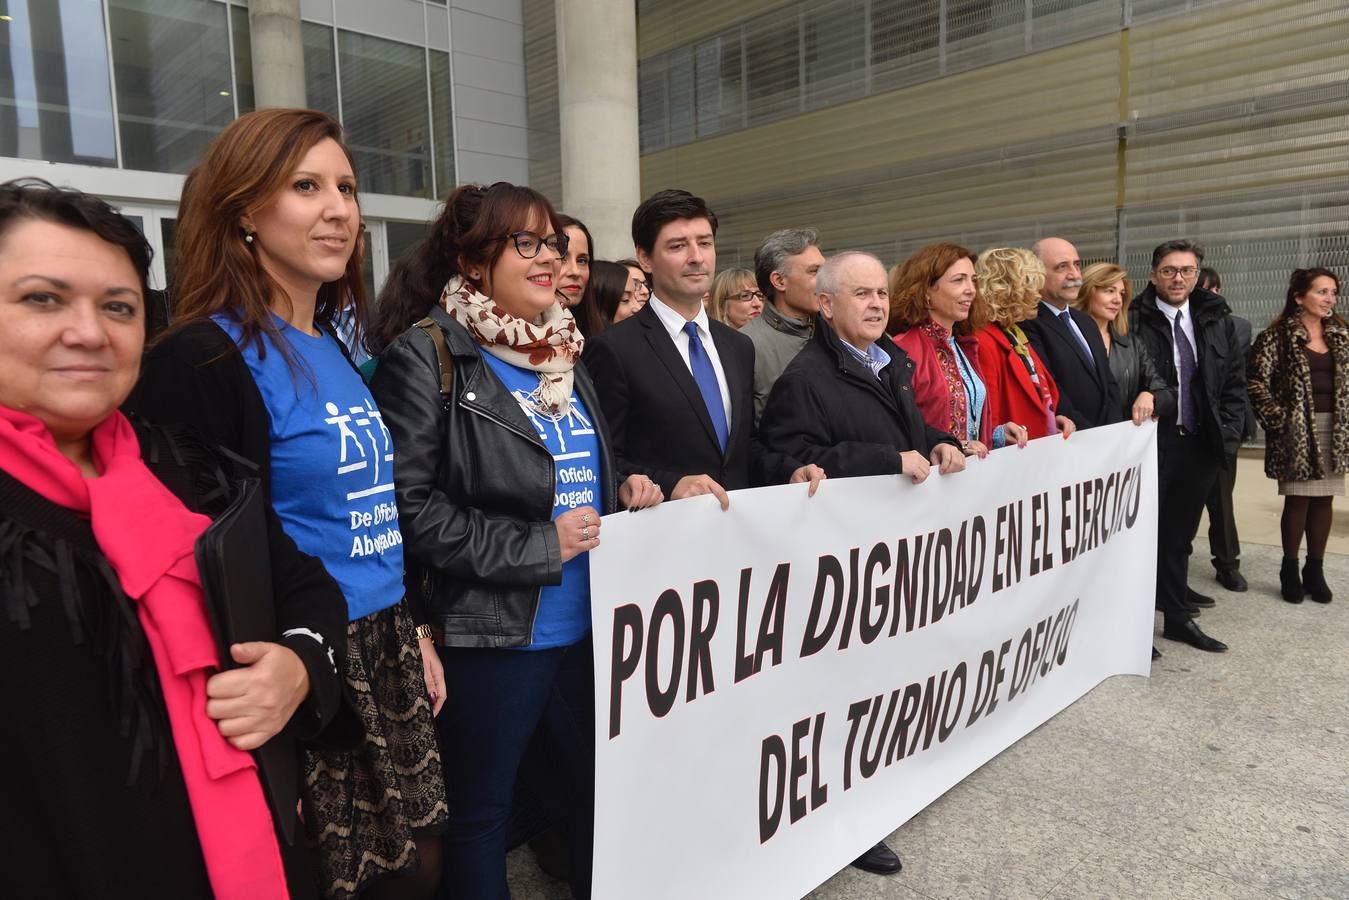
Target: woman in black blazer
[{"x": 1105, "y": 296}]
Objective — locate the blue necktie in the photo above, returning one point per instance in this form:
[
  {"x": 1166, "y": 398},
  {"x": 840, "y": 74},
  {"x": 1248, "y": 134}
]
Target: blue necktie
[
  {"x": 706, "y": 376},
  {"x": 1068, "y": 322},
  {"x": 1189, "y": 420}
]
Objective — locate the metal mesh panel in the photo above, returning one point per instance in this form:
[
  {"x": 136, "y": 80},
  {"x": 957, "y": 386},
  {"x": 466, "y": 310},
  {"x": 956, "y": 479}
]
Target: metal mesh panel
[
  {"x": 835, "y": 52},
  {"x": 773, "y": 67},
  {"x": 541, "y": 99},
  {"x": 1002, "y": 123}
]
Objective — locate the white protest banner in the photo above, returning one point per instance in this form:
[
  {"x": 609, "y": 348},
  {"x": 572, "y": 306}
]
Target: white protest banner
[{"x": 781, "y": 685}]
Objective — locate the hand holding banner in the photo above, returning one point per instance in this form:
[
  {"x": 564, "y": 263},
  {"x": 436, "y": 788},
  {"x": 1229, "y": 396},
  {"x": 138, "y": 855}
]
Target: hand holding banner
[{"x": 783, "y": 684}]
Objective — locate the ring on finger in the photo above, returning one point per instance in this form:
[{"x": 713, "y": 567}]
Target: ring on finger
[{"x": 585, "y": 518}]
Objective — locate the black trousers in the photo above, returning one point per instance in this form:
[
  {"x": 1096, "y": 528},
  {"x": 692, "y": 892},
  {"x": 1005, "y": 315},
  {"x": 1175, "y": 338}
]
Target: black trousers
[
  {"x": 1223, "y": 542},
  {"x": 1186, "y": 472}
]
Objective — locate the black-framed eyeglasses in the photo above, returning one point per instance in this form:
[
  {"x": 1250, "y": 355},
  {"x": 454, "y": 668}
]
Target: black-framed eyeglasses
[
  {"x": 528, "y": 244},
  {"x": 748, "y": 296},
  {"x": 1183, "y": 271}
]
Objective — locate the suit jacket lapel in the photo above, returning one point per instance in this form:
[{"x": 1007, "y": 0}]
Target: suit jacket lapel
[
  {"x": 735, "y": 377},
  {"x": 663, "y": 346},
  {"x": 1062, "y": 332}
]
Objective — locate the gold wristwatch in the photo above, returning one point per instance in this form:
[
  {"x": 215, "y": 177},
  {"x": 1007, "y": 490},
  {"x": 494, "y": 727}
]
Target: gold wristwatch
[{"x": 424, "y": 631}]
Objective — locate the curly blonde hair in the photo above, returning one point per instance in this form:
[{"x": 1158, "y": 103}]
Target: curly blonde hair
[
  {"x": 1102, "y": 275},
  {"x": 1009, "y": 280}
]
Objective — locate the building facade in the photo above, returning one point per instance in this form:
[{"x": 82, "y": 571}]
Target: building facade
[
  {"x": 122, "y": 97},
  {"x": 884, "y": 123},
  {"x": 1115, "y": 123}
]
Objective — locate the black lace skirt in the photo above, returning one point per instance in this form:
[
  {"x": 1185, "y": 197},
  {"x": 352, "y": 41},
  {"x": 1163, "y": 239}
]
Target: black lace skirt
[{"x": 362, "y": 806}]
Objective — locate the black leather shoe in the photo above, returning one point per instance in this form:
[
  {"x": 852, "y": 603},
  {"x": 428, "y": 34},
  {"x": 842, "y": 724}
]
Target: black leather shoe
[
  {"x": 879, "y": 860},
  {"x": 1194, "y": 598},
  {"x": 1290, "y": 583},
  {"x": 1156, "y": 654},
  {"x": 1232, "y": 580},
  {"x": 1314, "y": 580},
  {"x": 1188, "y": 632}
]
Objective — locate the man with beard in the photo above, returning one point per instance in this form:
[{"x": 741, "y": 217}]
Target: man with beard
[
  {"x": 1070, "y": 343},
  {"x": 784, "y": 266},
  {"x": 1190, "y": 335}
]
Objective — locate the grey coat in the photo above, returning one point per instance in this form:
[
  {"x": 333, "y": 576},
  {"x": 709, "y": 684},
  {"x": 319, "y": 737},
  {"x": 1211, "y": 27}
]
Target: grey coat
[{"x": 777, "y": 339}]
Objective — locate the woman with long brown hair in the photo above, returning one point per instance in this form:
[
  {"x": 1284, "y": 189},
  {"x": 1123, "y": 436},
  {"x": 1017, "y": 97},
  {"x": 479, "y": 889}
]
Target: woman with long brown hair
[
  {"x": 1299, "y": 383},
  {"x": 503, "y": 469},
  {"x": 268, "y": 254},
  {"x": 935, "y": 309}
]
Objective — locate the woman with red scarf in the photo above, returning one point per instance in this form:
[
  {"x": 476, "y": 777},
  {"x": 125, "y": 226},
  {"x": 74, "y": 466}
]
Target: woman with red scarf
[
  {"x": 126, "y": 745},
  {"x": 935, "y": 309}
]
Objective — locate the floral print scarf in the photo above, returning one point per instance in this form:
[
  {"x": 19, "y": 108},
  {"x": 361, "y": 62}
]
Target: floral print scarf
[{"x": 551, "y": 346}]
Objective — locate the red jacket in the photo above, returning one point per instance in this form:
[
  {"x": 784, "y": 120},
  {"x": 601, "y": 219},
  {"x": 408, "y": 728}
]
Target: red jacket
[
  {"x": 929, "y": 383},
  {"x": 1012, "y": 396}
]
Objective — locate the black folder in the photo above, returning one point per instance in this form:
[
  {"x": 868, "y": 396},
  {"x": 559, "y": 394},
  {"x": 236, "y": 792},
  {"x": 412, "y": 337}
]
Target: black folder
[{"x": 236, "y": 577}]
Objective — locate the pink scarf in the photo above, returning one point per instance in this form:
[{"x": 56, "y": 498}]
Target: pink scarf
[{"x": 147, "y": 536}]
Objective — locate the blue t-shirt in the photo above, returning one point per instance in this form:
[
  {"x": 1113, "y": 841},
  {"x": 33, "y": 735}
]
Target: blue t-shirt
[
  {"x": 564, "y": 609},
  {"x": 332, "y": 465}
]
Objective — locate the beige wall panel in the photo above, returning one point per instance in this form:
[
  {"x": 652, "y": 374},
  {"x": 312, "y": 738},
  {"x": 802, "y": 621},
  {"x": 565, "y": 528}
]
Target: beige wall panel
[
  {"x": 1237, "y": 52},
  {"x": 1013, "y": 102},
  {"x": 1239, "y": 156},
  {"x": 888, "y": 214},
  {"x": 662, "y": 24}
]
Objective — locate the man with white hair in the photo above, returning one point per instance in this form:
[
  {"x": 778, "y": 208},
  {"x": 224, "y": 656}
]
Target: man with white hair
[
  {"x": 1069, "y": 341},
  {"x": 846, "y": 401}
]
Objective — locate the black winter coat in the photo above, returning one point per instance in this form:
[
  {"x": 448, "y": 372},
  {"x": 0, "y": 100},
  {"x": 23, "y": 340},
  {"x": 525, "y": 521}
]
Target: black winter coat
[
  {"x": 1220, "y": 393},
  {"x": 828, "y": 408},
  {"x": 475, "y": 489}
]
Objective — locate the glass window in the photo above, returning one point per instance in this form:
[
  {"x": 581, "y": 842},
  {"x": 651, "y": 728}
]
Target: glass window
[
  {"x": 168, "y": 230},
  {"x": 320, "y": 67},
  {"x": 402, "y": 236},
  {"x": 384, "y": 113},
  {"x": 651, "y": 104},
  {"x": 243, "y": 59},
  {"x": 773, "y": 75},
  {"x": 904, "y": 42},
  {"x": 835, "y": 52},
  {"x": 172, "y": 72},
  {"x": 55, "y": 99},
  {"x": 442, "y": 122},
  {"x": 719, "y": 81},
  {"x": 681, "y": 95}
]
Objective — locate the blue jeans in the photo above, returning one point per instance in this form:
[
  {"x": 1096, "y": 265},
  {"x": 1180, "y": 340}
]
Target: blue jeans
[{"x": 495, "y": 702}]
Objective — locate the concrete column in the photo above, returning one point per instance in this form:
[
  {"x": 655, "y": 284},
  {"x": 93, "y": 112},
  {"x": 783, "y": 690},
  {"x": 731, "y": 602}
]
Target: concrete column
[
  {"x": 278, "y": 53},
  {"x": 597, "y": 100}
]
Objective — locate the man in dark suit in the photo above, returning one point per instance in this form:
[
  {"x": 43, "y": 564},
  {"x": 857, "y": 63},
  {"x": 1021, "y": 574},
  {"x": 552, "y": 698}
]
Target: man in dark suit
[
  {"x": 1192, "y": 340},
  {"x": 677, "y": 388},
  {"x": 1069, "y": 342}
]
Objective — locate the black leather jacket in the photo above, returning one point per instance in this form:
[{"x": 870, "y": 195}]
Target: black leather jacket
[
  {"x": 1134, "y": 370},
  {"x": 475, "y": 489},
  {"x": 1222, "y": 367}
]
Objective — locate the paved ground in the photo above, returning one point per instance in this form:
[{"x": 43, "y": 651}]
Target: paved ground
[{"x": 1220, "y": 776}]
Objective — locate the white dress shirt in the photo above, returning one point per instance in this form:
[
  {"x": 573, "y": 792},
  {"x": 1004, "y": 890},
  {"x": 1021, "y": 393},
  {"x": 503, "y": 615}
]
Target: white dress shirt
[
  {"x": 1186, "y": 325},
  {"x": 674, "y": 324}
]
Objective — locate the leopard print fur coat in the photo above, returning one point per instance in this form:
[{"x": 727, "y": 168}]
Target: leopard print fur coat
[{"x": 1280, "y": 385}]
